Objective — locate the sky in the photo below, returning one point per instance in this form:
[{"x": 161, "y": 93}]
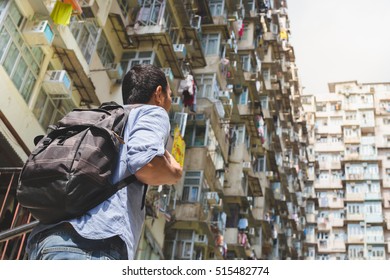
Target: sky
[{"x": 340, "y": 40}]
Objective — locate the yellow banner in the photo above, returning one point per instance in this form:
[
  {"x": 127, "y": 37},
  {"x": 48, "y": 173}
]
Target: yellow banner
[{"x": 178, "y": 147}]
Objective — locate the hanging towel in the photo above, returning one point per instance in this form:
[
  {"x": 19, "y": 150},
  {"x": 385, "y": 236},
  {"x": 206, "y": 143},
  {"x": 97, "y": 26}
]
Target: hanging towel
[{"x": 61, "y": 13}]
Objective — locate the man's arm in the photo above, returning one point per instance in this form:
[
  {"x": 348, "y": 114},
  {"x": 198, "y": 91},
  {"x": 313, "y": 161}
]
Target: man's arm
[{"x": 160, "y": 170}]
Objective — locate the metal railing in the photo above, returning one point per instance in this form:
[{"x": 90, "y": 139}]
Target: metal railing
[{"x": 15, "y": 221}]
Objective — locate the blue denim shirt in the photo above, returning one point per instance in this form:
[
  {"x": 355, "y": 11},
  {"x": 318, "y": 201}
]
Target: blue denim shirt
[{"x": 146, "y": 136}]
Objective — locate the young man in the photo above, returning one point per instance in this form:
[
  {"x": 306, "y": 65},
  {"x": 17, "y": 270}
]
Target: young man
[{"x": 112, "y": 229}]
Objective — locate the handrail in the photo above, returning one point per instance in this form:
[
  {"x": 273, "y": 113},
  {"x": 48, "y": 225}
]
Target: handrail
[{"x": 17, "y": 231}]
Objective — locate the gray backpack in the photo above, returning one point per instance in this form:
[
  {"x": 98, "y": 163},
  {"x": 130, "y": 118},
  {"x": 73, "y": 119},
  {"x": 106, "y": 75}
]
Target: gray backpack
[{"x": 69, "y": 171}]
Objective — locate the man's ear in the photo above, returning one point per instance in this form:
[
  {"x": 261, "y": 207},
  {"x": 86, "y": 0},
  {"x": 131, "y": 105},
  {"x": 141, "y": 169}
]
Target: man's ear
[{"x": 158, "y": 95}]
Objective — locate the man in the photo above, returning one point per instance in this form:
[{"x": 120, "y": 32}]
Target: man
[{"x": 112, "y": 229}]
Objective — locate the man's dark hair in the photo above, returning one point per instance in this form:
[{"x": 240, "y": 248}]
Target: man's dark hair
[{"x": 141, "y": 82}]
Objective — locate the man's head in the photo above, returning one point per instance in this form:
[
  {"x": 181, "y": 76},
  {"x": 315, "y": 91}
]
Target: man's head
[{"x": 146, "y": 84}]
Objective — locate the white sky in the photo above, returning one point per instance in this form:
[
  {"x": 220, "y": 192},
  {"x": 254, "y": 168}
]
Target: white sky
[{"x": 340, "y": 40}]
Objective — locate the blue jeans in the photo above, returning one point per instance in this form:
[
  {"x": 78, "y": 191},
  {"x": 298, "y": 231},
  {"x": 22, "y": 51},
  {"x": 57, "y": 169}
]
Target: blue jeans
[{"x": 64, "y": 243}]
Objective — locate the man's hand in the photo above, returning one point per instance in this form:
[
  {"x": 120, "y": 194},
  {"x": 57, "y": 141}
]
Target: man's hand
[{"x": 160, "y": 170}]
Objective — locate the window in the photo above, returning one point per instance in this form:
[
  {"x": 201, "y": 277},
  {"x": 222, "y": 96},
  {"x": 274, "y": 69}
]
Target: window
[
  {"x": 151, "y": 12},
  {"x": 306, "y": 100},
  {"x": 377, "y": 253},
  {"x": 171, "y": 27},
  {"x": 350, "y": 115},
  {"x": 104, "y": 51},
  {"x": 49, "y": 111},
  {"x": 245, "y": 33},
  {"x": 264, "y": 102},
  {"x": 86, "y": 34},
  {"x": 216, "y": 7},
  {"x": 355, "y": 252},
  {"x": 124, "y": 6},
  {"x": 260, "y": 164},
  {"x": 240, "y": 134},
  {"x": 207, "y": 85},
  {"x": 243, "y": 97},
  {"x": 246, "y": 62},
  {"x": 354, "y": 208},
  {"x": 196, "y": 135},
  {"x": 192, "y": 186},
  {"x": 21, "y": 62},
  {"x": 130, "y": 59},
  {"x": 321, "y": 107},
  {"x": 210, "y": 43}
]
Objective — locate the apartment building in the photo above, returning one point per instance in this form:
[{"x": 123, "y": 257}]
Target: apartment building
[
  {"x": 347, "y": 212},
  {"x": 236, "y": 114}
]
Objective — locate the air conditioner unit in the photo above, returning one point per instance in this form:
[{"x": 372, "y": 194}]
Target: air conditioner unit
[
  {"x": 115, "y": 71},
  {"x": 246, "y": 166},
  {"x": 238, "y": 88},
  {"x": 269, "y": 174},
  {"x": 168, "y": 73},
  {"x": 212, "y": 198},
  {"x": 196, "y": 22},
  {"x": 201, "y": 238},
  {"x": 58, "y": 84},
  {"x": 200, "y": 118},
  {"x": 180, "y": 50},
  {"x": 90, "y": 8},
  {"x": 233, "y": 16},
  {"x": 38, "y": 33},
  {"x": 224, "y": 95},
  {"x": 176, "y": 103}
]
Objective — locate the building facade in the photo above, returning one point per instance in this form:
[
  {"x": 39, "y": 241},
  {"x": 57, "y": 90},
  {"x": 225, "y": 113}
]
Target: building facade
[
  {"x": 347, "y": 187},
  {"x": 237, "y": 119}
]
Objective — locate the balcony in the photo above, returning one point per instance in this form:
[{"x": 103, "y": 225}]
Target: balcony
[
  {"x": 200, "y": 159},
  {"x": 323, "y": 224},
  {"x": 311, "y": 218},
  {"x": 355, "y": 239},
  {"x": 233, "y": 242},
  {"x": 337, "y": 222},
  {"x": 329, "y": 147},
  {"x": 311, "y": 239},
  {"x": 352, "y": 140},
  {"x": 327, "y": 165},
  {"x": 355, "y": 217},
  {"x": 354, "y": 197},
  {"x": 362, "y": 176},
  {"x": 190, "y": 214},
  {"x": 367, "y": 126},
  {"x": 331, "y": 202},
  {"x": 373, "y": 196},
  {"x": 328, "y": 184},
  {"x": 329, "y": 129},
  {"x": 374, "y": 218},
  {"x": 149, "y": 30}
]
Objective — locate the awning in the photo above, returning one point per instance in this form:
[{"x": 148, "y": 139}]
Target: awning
[
  {"x": 81, "y": 82},
  {"x": 120, "y": 30}
]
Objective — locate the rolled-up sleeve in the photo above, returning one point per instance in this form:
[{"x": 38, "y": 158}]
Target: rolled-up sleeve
[{"x": 148, "y": 134}]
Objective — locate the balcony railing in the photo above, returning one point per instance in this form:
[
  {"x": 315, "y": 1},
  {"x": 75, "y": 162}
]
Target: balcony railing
[{"x": 15, "y": 221}]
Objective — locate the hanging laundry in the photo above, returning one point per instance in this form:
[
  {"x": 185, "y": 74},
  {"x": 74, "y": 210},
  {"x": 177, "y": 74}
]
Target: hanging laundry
[
  {"x": 241, "y": 31},
  {"x": 188, "y": 99},
  {"x": 77, "y": 10},
  {"x": 61, "y": 13}
]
